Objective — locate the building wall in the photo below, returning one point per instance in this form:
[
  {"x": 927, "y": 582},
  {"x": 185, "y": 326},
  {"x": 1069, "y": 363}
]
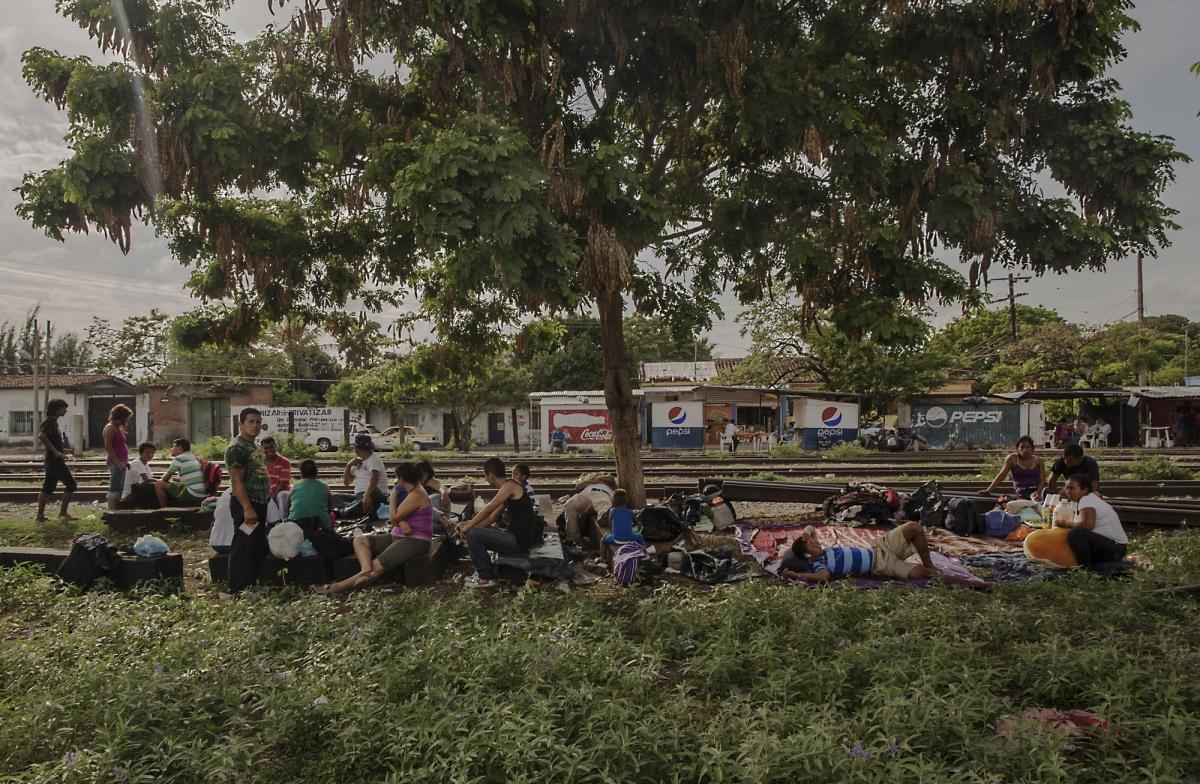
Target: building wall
[
  {"x": 170, "y": 405},
  {"x": 73, "y": 425}
]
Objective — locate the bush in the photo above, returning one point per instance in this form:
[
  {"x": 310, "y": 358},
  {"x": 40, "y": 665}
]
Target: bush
[
  {"x": 1157, "y": 467},
  {"x": 212, "y": 449},
  {"x": 294, "y": 448},
  {"x": 789, "y": 449},
  {"x": 767, "y": 476},
  {"x": 847, "y": 451},
  {"x": 1173, "y": 556}
]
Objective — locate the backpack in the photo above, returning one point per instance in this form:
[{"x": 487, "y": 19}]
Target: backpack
[
  {"x": 660, "y": 524},
  {"x": 927, "y": 495},
  {"x": 999, "y": 524},
  {"x": 857, "y": 504},
  {"x": 91, "y": 556},
  {"x": 212, "y": 477},
  {"x": 963, "y": 518}
]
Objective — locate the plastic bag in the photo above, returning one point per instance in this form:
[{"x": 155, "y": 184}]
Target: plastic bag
[
  {"x": 149, "y": 546},
  {"x": 284, "y": 540},
  {"x": 307, "y": 550}
]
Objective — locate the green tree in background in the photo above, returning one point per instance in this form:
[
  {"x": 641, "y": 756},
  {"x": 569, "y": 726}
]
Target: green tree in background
[
  {"x": 567, "y": 354},
  {"x": 546, "y": 152},
  {"x": 878, "y": 367},
  {"x": 69, "y": 353}
]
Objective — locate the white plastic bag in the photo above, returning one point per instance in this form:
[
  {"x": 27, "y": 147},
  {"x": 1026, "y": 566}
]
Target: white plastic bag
[
  {"x": 1064, "y": 513},
  {"x": 284, "y": 540},
  {"x": 149, "y": 546}
]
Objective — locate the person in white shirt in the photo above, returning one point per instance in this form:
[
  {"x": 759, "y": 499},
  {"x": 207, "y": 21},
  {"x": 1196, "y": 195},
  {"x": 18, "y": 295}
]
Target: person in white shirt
[
  {"x": 731, "y": 435},
  {"x": 139, "y": 468},
  {"x": 1096, "y": 535},
  {"x": 368, "y": 476}
]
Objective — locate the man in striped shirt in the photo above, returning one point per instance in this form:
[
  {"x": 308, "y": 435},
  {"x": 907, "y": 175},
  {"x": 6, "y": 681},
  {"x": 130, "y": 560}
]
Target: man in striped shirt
[
  {"x": 189, "y": 490},
  {"x": 886, "y": 557}
]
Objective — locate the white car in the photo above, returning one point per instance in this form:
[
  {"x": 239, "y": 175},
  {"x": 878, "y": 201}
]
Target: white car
[{"x": 396, "y": 436}]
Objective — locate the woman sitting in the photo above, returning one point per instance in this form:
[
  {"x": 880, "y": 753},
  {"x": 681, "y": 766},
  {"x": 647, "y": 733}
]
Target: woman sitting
[
  {"x": 1026, "y": 468},
  {"x": 1096, "y": 534},
  {"x": 411, "y": 516}
]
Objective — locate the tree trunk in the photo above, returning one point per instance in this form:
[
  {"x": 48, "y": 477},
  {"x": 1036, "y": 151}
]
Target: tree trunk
[
  {"x": 516, "y": 434},
  {"x": 618, "y": 394},
  {"x": 460, "y": 443}
]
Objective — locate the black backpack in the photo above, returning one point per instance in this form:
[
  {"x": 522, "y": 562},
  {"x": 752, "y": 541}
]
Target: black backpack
[
  {"x": 963, "y": 518},
  {"x": 660, "y": 524},
  {"x": 91, "y": 556}
]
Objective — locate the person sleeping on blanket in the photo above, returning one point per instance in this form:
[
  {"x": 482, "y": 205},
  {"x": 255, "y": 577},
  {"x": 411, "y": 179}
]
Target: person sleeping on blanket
[{"x": 808, "y": 561}]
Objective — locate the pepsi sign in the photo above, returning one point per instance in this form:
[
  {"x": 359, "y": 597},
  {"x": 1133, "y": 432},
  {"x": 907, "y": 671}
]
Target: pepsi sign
[
  {"x": 677, "y": 425},
  {"x": 825, "y": 422}
]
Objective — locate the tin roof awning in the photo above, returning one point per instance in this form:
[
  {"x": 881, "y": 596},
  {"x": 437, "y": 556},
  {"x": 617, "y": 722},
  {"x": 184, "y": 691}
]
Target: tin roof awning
[{"x": 1062, "y": 394}]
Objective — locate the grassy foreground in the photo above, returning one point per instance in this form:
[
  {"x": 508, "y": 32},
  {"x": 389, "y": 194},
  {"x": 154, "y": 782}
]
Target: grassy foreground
[{"x": 749, "y": 683}]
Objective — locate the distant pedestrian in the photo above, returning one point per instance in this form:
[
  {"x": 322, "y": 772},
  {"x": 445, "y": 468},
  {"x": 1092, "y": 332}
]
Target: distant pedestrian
[
  {"x": 116, "y": 450},
  {"x": 51, "y": 439},
  {"x": 251, "y": 485},
  {"x": 731, "y": 435}
]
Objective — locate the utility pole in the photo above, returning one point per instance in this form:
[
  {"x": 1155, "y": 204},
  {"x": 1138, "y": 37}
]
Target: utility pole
[
  {"x": 37, "y": 367},
  {"x": 1143, "y": 374},
  {"x": 1012, "y": 302}
]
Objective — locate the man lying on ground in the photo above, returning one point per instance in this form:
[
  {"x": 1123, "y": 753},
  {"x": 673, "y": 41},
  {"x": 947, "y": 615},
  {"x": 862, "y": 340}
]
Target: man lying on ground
[{"x": 885, "y": 558}]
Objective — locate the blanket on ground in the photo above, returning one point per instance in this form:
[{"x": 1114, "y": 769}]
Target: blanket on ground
[{"x": 766, "y": 544}]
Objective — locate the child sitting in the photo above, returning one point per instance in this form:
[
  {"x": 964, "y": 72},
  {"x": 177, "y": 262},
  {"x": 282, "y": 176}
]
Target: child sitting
[
  {"x": 620, "y": 520},
  {"x": 520, "y": 475}
]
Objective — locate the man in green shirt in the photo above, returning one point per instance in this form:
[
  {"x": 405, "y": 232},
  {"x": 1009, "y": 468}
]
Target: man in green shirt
[{"x": 251, "y": 485}]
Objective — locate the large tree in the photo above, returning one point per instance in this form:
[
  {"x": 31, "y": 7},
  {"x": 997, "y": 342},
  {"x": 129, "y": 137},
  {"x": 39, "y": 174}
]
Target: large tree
[{"x": 547, "y": 151}]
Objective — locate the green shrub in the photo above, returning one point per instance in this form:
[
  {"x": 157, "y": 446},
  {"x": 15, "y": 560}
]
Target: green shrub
[
  {"x": 294, "y": 449},
  {"x": 767, "y": 476},
  {"x": 1173, "y": 556},
  {"x": 789, "y": 449},
  {"x": 1156, "y": 467},
  {"x": 991, "y": 465},
  {"x": 847, "y": 451},
  {"x": 212, "y": 449}
]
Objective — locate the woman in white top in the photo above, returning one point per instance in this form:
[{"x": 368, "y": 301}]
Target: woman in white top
[{"x": 1096, "y": 534}]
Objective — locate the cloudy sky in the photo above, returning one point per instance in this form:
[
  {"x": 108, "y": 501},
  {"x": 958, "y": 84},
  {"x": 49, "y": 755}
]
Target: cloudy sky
[{"x": 87, "y": 275}]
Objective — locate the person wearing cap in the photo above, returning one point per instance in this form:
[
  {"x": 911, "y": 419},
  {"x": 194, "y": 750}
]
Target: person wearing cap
[{"x": 367, "y": 475}]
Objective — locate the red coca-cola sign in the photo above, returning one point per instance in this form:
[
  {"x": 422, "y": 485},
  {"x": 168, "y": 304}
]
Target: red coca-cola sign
[{"x": 582, "y": 425}]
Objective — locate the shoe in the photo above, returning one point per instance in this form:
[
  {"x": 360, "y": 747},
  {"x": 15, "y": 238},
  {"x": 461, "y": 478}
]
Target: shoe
[{"x": 475, "y": 582}]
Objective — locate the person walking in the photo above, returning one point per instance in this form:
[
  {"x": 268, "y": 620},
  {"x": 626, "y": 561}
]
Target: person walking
[
  {"x": 116, "y": 450},
  {"x": 251, "y": 485},
  {"x": 51, "y": 439}
]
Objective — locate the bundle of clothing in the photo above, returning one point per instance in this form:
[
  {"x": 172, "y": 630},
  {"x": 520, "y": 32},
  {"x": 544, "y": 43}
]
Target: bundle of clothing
[{"x": 861, "y": 503}]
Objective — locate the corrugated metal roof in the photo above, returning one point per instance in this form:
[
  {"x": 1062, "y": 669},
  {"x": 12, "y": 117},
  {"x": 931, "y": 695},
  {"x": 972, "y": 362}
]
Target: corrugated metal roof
[{"x": 1165, "y": 393}]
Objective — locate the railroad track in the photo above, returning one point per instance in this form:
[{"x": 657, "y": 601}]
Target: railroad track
[{"x": 1132, "y": 511}]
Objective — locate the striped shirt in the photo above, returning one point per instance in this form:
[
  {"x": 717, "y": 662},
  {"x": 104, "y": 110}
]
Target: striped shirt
[
  {"x": 187, "y": 467},
  {"x": 841, "y": 561}
]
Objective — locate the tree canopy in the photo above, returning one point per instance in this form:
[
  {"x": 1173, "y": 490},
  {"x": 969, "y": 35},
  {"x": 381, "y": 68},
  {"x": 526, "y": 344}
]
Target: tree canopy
[{"x": 543, "y": 154}]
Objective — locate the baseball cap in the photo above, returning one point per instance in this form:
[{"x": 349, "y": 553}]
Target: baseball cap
[{"x": 363, "y": 441}]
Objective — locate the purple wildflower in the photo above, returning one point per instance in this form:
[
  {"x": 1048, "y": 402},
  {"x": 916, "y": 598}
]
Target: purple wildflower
[
  {"x": 158, "y": 669},
  {"x": 893, "y": 748},
  {"x": 858, "y": 750},
  {"x": 120, "y": 775},
  {"x": 70, "y": 758}
]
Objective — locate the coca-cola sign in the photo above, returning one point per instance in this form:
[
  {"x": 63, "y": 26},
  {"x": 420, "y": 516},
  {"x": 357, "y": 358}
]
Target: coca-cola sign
[{"x": 583, "y": 425}]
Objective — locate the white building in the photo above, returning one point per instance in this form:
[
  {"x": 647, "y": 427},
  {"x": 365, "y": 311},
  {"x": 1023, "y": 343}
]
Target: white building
[
  {"x": 492, "y": 429},
  {"x": 89, "y": 397}
]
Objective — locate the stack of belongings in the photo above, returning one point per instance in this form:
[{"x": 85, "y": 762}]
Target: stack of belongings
[{"x": 862, "y": 503}]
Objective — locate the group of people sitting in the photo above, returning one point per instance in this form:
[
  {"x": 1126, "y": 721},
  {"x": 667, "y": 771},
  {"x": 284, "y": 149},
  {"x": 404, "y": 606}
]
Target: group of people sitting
[
  {"x": 1096, "y": 533},
  {"x": 1067, "y": 432},
  {"x": 1186, "y": 427}
]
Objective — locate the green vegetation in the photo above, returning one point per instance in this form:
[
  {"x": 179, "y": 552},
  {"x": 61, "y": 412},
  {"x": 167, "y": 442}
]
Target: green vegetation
[
  {"x": 212, "y": 449},
  {"x": 1156, "y": 467},
  {"x": 847, "y": 451},
  {"x": 748, "y": 683},
  {"x": 788, "y": 449},
  {"x": 294, "y": 448},
  {"x": 767, "y": 476}
]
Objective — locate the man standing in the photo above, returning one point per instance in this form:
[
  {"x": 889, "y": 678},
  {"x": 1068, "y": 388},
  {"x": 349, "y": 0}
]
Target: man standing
[
  {"x": 251, "y": 487},
  {"x": 1072, "y": 462},
  {"x": 51, "y": 439},
  {"x": 189, "y": 490}
]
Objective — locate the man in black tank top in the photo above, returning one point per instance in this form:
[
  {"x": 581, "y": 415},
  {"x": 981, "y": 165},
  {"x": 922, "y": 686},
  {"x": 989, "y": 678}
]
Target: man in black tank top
[{"x": 482, "y": 537}]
